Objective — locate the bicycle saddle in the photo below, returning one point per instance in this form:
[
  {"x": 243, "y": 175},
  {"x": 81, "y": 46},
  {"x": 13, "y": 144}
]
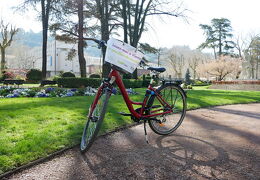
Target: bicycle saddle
[{"x": 159, "y": 69}]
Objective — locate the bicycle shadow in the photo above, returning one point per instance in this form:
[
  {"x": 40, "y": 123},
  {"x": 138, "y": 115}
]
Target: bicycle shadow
[{"x": 167, "y": 157}]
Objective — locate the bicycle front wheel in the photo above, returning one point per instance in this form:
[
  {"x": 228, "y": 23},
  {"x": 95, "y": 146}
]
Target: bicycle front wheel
[
  {"x": 95, "y": 118},
  {"x": 175, "y": 99}
]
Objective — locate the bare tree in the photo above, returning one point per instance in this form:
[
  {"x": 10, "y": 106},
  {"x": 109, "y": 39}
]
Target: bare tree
[
  {"x": 240, "y": 45},
  {"x": 196, "y": 58},
  {"x": 252, "y": 55},
  {"x": 7, "y": 33},
  {"x": 46, "y": 7},
  {"x": 177, "y": 62},
  {"x": 222, "y": 67},
  {"x": 107, "y": 13},
  {"x": 23, "y": 59},
  {"x": 176, "y": 58},
  {"x": 135, "y": 13}
]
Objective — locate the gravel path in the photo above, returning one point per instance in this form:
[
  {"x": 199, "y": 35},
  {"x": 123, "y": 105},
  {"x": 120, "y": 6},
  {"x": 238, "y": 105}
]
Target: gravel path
[{"x": 216, "y": 143}]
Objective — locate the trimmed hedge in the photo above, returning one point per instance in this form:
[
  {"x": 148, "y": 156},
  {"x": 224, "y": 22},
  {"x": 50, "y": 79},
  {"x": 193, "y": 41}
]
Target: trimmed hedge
[
  {"x": 71, "y": 82},
  {"x": 127, "y": 76},
  {"x": 74, "y": 82},
  {"x": 132, "y": 83},
  {"x": 237, "y": 82},
  {"x": 94, "y": 76},
  {"x": 68, "y": 74}
]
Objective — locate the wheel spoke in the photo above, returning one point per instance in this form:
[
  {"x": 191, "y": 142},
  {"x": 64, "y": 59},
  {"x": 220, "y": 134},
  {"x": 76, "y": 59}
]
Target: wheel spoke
[
  {"x": 175, "y": 97},
  {"x": 94, "y": 121}
]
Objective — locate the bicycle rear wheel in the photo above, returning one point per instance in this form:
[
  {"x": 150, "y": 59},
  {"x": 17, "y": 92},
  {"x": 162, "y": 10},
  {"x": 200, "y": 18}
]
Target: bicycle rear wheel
[
  {"x": 95, "y": 118},
  {"x": 176, "y": 98}
]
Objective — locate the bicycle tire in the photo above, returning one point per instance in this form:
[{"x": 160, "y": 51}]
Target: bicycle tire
[
  {"x": 174, "y": 119},
  {"x": 95, "y": 118}
]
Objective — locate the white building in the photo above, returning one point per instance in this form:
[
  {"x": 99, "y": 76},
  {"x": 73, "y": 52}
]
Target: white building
[{"x": 57, "y": 60}]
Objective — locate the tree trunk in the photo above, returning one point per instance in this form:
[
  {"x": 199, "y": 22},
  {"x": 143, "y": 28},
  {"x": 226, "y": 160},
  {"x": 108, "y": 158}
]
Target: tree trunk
[
  {"x": 215, "y": 55},
  {"x": 220, "y": 42},
  {"x": 252, "y": 72},
  {"x": 45, "y": 22},
  {"x": 2, "y": 59},
  {"x": 257, "y": 69},
  {"x": 44, "y": 52},
  {"x": 82, "y": 61},
  {"x": 124, "y": 14},
  {"x": 194, "y": 73},
  {"x": 106, "y": 68}
]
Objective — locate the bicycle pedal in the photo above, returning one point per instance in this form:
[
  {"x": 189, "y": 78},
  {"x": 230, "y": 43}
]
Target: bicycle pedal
[
  {"x": 124, "y": 114},
  {"x": 161, "y": 124}
]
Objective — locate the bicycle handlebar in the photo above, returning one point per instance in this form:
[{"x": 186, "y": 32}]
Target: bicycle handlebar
[{"x": 102, "y": 43}]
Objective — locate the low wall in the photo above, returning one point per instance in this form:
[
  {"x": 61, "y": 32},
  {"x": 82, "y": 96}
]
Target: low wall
[{"x": 250, "y": 85}]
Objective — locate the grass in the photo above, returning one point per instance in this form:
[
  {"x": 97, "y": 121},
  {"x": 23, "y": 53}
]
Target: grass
[{"x": 31, "y": 128}]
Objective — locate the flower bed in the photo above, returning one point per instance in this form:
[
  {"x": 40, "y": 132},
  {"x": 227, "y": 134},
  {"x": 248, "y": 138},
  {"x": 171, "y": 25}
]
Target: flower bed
[{"x": 7, "y": 92}]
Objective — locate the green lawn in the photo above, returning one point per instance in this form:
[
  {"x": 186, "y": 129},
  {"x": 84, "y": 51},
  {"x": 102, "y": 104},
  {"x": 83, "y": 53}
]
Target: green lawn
[{"x": 31, "y": 128}]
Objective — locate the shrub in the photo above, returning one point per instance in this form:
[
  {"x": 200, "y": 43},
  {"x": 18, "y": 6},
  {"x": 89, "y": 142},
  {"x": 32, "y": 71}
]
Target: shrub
[
  {"x": 148, "y": 77},
  {"x": 74, "y": 82},
  {"x": 8, "y": 75},
  {"x": 127, "y": 76},
  {"x": 187, "y": 77},
  {"x": 146, "y": 83},
  {"x": 94, "y": 76},
  {"x": 55, "y": 78},
  {"x": 20, "y": 77},
  {"x": 200, "y": 83},
  {"x": 189, "y": 87},
  {"x": 132, "y": 83},
  {"x": 94, "y": 82},
  {"x": 34, "y": 75},
  {"x": 68, "y": 74}
]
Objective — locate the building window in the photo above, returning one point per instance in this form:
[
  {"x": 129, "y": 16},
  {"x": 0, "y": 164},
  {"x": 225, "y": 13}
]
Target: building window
[{"x": 50, "y": 60}]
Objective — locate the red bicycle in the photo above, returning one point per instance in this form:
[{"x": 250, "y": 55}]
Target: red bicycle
[{"x": 163, "y": 107}]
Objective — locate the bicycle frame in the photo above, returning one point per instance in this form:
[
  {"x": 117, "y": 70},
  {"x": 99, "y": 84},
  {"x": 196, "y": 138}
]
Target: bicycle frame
[{"x": 114, "y": 75}]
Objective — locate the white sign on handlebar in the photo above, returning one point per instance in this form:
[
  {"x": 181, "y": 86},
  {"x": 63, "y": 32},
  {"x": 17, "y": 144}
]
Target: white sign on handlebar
[{"x": 123, "y": 55}]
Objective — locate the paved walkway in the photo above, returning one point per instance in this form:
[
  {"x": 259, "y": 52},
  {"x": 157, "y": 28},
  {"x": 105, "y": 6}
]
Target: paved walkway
[{"x": 216, "y": 143}]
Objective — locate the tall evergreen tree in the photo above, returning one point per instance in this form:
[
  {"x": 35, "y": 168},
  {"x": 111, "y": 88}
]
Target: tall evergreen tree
[
  {"x": 218, "y": 36},
  {"x": 187, "y": 77}
]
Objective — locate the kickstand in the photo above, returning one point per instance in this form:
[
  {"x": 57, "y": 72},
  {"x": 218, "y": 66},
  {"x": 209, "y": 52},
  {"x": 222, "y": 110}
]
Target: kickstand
[{"x": 145, "y": 133}]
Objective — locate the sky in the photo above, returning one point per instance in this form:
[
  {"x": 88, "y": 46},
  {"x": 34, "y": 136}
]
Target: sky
[{"x": 170, "y": 31}]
